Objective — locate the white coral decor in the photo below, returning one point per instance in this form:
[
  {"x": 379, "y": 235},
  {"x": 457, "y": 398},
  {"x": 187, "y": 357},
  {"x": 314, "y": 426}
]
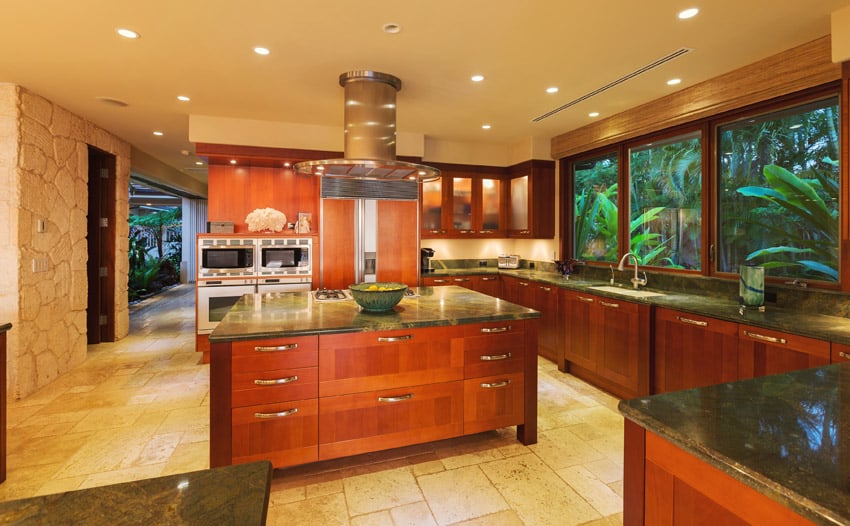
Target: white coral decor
[{"x": 265, "y": 219}]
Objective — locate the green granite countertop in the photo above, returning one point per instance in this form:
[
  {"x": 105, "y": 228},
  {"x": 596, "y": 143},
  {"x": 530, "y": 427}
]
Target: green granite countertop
[
  {"x": 298, "y": 314},
  {"x": 232, "y": 495},
  {"x": 794, "y": 321},
  {"x": 785, "y": 435}
]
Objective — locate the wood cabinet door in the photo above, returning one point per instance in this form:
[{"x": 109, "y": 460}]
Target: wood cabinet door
[
  {"x": 371, "y": 361},
  {"x": 579, "y": 341},
  {"x": 467, "y": 282},
  {"x": 398, "y": 242},
  {"x": 840, "y": 353},
  {"x": 337, "y": 244},
  {"x": 489, "y": 285},
  {"x": 763, "y": 351},
  {"x": 285, "y": 433},
  {"x": 693, "y": 351},
  {"x": 493, "y": 402},
  {"x": 549, "y": 336},
  {"x": 436, "y": 281},
  {"x": 375, "y": 420},
  {"x": 622, "y": 352},
  {"x": 531, "y": 200}
]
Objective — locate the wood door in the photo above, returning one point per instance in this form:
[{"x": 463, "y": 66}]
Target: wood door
[
  {"x": 493, "y": 402},
  {"x": 285, "y": 433},
  {"x": 398, "y": 242},
  {"x": 337, "y": 251},
  {"x": 100, "y": 267},
  {"x": 693, "y": 351},
  {"x": 762, "y": 352},
  {"x": 371, "y": 421},
  {"x": 579, "y": 341},
  {"x": 623, "y": 348},
  {"x": 546, "y": 301}
]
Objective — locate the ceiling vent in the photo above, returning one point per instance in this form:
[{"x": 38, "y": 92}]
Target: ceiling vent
[
  {"x": 640, "y": 71},
  {"x": 370, "y": 134}
]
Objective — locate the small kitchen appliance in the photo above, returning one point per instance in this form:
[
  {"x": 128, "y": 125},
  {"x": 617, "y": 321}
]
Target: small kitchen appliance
[
  {"x": 426, "y": 255},
  {"x": 508, "y": 261}
]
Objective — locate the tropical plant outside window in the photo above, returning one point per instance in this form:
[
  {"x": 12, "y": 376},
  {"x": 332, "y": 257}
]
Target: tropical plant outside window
[
  {"x": 778, "y": 192},
  {"x": 665, "y": 206},
  {"x": 595, "y": 219}
]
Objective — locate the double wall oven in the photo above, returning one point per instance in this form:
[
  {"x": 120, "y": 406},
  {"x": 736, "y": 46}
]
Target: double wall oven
[{"x": 229, "y": 267}]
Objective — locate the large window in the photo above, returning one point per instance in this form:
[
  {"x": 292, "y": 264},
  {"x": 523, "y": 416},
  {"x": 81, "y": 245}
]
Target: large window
[
  {"x": 665, "y": 202},
  {"x": 595, "y": 219},
  {"x": 778, "y": 192}
]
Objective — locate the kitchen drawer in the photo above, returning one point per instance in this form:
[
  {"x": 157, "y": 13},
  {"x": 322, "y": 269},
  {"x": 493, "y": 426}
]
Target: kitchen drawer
[
  {"x": 279, "y": 385},
  {"x": 275, "y": 353},
  {"x": 493, "y": 402},
  {"x": 360, "y": 362},
  {"x": 494, "y": 348},
  {"x": 763, "y": 351},
  {"x": 840, "y": 353},
  {"x": 371, "y": 421},
  {"x": 287, "y": 434}
]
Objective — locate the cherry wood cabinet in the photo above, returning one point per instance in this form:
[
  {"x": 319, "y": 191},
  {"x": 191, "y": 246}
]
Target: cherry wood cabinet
[
  {"x": 692, "y": 351},
  {"x": 472, "y": 202},
  {"x": 543, "y": 298},
  {"x": 764, "y": 351},
  {"x": 531, "y": 200},
  {"x": 490, "y": 284},
  {"x": 607, "y": 342},
  {"x": 840, "y": 353}
]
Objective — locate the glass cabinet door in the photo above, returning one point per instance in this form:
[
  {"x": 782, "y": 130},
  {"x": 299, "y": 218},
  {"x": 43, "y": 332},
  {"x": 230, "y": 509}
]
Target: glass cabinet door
[
  {"x": 519, "y": 203},
  {"x": 491, "y": 204},
  {"x": 462, "y": 203},
  {"x": 432, "y": 205}
]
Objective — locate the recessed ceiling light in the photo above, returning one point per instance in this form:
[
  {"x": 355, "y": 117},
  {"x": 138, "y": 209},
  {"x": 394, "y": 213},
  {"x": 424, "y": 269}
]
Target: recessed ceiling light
[
  {"x": 127, "y": 33},
  {"x": 158, "y": 133},
  {"x": 477, "y": 78},
  {"x": 673, "y": 82},
  {"x": 392, "y": 28},
  {"x": 485, "y": 126},
  {"x": 233, "y": 161},
  {"x": 593, "y": 114},
  {"x": 261, "y": 50},
  {"x": 552, "y": 89},
  {"x": 183, "y": 98},
  {"x": 688, "y": 13}
]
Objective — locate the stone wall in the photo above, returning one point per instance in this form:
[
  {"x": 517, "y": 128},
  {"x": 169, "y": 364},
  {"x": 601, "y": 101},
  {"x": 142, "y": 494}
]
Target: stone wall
[{"x": 49, "y": 156}]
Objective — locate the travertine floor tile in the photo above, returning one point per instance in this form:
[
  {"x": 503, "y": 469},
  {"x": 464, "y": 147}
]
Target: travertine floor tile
[
  {"x": 593, "y": 490},
  {"x": 502, "y": 518},
  {"x": 326, "y": 510},
  {"x": 380, "y": 491},
  {"x": 416, "y": 514},
  {"x": 461, "y": 494},
  {"x": 379, "y": 518}
]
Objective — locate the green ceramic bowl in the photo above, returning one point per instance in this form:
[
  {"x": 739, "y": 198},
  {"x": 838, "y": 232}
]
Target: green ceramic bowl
[{"x": 377, "y": 297}]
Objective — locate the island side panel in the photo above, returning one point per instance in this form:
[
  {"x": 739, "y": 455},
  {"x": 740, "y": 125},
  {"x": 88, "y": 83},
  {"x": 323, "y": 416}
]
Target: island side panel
[
  {"x": 527, "y": 432},
  {"x": 221, "y": 424},
  {"x": 634, "y": 468}
]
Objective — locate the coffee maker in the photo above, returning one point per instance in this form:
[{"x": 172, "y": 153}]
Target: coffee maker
[{"x": 426, "y": 255}]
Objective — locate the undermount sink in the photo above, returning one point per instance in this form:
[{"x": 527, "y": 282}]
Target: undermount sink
[{"x": 627, "y": 292}]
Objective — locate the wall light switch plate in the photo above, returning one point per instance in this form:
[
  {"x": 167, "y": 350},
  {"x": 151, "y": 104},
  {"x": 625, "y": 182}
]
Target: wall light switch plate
[
  {"x": 40, "y": 226},
  {"x": 39, "y": 265}
]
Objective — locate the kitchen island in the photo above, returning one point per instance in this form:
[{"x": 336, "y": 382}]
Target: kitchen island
[
  {"x": 297, "y": 380},
  {"x": 770, "y": 450}
]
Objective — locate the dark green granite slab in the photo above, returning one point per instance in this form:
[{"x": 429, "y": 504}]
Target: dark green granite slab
[
  {"x": 785, "y": 435},
  {"x": 232, "y": 495},
  {"x": 297, "y": 314}
]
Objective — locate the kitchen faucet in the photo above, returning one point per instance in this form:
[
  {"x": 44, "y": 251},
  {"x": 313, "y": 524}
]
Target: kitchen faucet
[{"x": 636, "y": 281}]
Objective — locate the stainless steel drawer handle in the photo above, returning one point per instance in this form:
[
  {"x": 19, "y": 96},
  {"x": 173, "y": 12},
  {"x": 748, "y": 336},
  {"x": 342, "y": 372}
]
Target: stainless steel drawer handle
[
  {"x": 844, "y": 355},
  {"x": 612, "y": 305},
  {"x": 495, "y": 385},
  {"x": 277, "y": 415},
  {"x": 586, "y": 300},
  {"x": 461, "y": 279},
  {"x": 277, "y": 381},
  {"x": 395, "y": 338},
  {"x": 487, "y": 279},
  {"x": 523, "y": 284},
  {"x": 494, "y": 357},
  {"x": 692, "y": 322},
  {"x": 440, "y": 281},
  {"x": 393, "y": 399},
  {"x": 547, "y": 289},
  {"x": 276, "y": 348},
  {"x": 762, "y": 337},
  {"x": 491, "y": 330}
]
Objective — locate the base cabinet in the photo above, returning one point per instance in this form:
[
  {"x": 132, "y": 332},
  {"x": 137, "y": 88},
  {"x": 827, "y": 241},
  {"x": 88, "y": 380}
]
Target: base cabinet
[
  {"x": 764, "y": 351},
  {"x": 299, "y": 400}
]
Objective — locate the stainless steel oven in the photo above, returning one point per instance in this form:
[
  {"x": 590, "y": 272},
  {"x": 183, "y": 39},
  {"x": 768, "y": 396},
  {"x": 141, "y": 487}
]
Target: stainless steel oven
[
  {"x": 285, "y": 257},
  {"x": 216, "y": 297},
  {"x": 220, "y": 257}
]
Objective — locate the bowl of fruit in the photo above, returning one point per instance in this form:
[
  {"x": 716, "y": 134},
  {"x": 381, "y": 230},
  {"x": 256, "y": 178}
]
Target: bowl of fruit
[{"x": 377, "y": 297}]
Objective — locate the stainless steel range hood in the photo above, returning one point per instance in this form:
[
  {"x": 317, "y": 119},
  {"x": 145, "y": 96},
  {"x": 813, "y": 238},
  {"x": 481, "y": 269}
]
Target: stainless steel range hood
[{"x": 370, "y": 134}]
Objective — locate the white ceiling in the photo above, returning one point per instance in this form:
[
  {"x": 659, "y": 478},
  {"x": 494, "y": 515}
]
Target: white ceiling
[{"x": 68, "y": 51}]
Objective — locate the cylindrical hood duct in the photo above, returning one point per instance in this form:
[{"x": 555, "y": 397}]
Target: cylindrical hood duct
[
  {"x": 370, "y": 134},
  {"x": 369, "y": 114}
]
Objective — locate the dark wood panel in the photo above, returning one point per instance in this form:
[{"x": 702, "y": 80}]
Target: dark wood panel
[
  {"x": 493, "y": 402},
  {"x": 220, "y": 405},
  {"x": 489, "y": 285},
  {"x": 634, "y": 477},
  {"x": 284, "y": 440},
  {"x": 577, "y": 312},
  {"x": 298, "y": 384},
  {"x": 623, "y": 355},
  {"x": 398, "y": 242},
  {"x": 351, "y": 363},
  {"x": 527, "y": 431},
  {"x": 357, "y": 423},
  {"x": 658, "y": 503},
  {"x": 693, "y": 351},
  {"x": 545, "y": 300},
  {"x": 692, "y": 508},
  {"x": 337, "y": 243}
]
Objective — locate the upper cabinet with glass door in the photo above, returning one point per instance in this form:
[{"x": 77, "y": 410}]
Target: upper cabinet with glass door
[
  {"x": 464, "y": 203},
  {"x": 531, "y": 194}
]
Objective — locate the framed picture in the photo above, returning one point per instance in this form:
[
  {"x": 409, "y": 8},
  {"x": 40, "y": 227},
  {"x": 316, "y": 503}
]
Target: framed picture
[{"x": 305, "y": 223}]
